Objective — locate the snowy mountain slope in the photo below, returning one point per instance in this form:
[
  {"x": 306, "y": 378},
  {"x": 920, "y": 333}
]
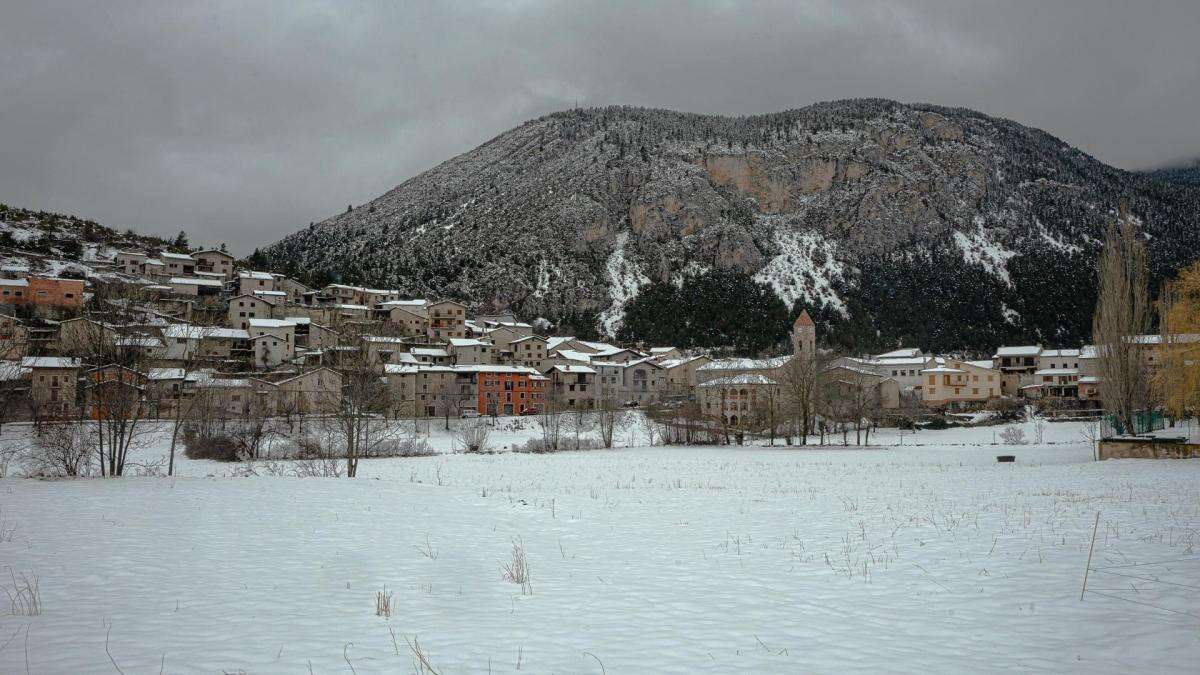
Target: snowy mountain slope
[
  {"x": 830, "y": 205},
  {"x": 55, "y": 244}
]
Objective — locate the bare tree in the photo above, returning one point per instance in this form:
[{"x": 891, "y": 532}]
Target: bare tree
[
  {"x": 182, "y": 402},
  {"x": 550, "y": 421},
  {"x": 359, "y": 423},
  {"x": 115, "y": 384},
  {"x": 254, "y": 429},
  {"x": 610, "y": 419},
  {"x": 799, "y": 381},
  {"x": 1122, "y": 314}
]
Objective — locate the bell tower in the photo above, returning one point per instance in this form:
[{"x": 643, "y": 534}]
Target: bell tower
[{"x": 804, "y": 334}]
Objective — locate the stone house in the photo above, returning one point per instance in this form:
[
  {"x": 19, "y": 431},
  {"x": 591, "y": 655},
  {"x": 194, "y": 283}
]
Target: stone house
[
  {"x": 216, "y": 262},
  {"x": 447, "y": 319},
  {"x": 52, "y": 384},
  {"x": 470, "y": 351},
  {"x": 244, "y": 308},
  {"x": 959, "y": 384},
  {"x": 571, "y": 387}
]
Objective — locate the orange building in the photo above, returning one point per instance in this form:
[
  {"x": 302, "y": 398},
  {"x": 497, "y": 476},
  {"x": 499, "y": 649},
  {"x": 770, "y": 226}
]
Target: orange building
[
  {"x": 48, "y": 291},
  {"x": 115, "y": 392},
  {"x": 508, "y": 390}
]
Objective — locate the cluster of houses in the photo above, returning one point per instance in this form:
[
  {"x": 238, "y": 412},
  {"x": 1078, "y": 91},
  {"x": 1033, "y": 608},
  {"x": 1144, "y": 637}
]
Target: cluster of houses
[{"x": 262, "y": 343}]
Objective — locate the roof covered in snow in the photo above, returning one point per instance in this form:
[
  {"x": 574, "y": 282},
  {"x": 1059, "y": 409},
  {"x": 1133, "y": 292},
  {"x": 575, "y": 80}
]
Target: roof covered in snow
[
  {"x": 745, "y": 364},
  {"x": 744, "y": 379},
  {"x": 1022, "y": 350}
]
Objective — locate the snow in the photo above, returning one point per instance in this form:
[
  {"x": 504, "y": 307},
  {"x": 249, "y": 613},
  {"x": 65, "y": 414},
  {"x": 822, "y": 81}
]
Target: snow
[
  {"x": 1022, "y": 350},
  {"x": 979, "y": 249},
  {"x": 915, "y": 558},
  {"x": 624, "y": 280},
  {"x": 741, "y": 363},
  {"x": 795, "y": 272},
  {"x": 49, "y": 362},
  {"x": 748, "y": 378}
]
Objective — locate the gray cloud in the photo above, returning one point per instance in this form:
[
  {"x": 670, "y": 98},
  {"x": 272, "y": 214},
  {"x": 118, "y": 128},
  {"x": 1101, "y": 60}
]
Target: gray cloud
[{"x": 242, "y": 124}]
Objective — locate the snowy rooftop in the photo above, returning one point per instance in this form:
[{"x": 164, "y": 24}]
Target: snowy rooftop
[
  {"x": 746, "y": 364},
  {"x": 387, "y": 339},
  {"x": 138, "y": 341},
  {"x": 1060, "y": 353},
  {"x": 901, "y": 361},
  {"x": 180, "y": 330},
  {"x": 195, "y": 281},
  {"x": 942, "y": 369},
  {"x": 530, "y": 337},
  {"x": 249, "y": 274},
  {"x": 429, "y": 351},
  {"x": 469, "y": 342},
  {"x": 175, "y": 256},
  {"x": 747, "y": 378},
  {"x": 572, "y": 355},
  {"x": 49, "y": 362},
  {"x": 271, "y": 323},
  {"x": 1022, "y": 350},
  {"x": 573, "y": 369},
  {"x": 906, "y": 353},
  {"x": 675, "y": 363}
]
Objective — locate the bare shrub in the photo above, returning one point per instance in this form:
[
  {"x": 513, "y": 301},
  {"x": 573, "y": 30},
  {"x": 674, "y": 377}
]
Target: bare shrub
[
  {"x": 539, "y": 446},
  {"x": 383, "y": 603},
  {"x": 405, "y": 446},
  {"x": 25, "y": 598},
  {"x": 9, "y": 454},
  {"x": 516, "y": 570},
  {"x": 1013, "y": 436},
  {"x": 217, "y": 447},
  {"x": 60, "y": 449},
  {"x": 427, "y": 550},
  {"x": 472, "y": 435}
]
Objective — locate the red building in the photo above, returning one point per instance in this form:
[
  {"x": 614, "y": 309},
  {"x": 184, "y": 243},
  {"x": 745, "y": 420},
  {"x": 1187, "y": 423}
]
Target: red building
[
  {"x": 47, "y": 291},
  {"x": 508, "y": 390}
]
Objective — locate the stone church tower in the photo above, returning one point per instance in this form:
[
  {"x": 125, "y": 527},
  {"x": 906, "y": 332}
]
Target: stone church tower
[{"x": 804, "y": 334}]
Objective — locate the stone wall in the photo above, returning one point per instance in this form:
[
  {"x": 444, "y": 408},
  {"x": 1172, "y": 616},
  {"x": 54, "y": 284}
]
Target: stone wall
[{"x": 1147, "y": 449}]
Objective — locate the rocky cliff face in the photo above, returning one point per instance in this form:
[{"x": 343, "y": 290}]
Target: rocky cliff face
[{"x": 568, "y": 215}]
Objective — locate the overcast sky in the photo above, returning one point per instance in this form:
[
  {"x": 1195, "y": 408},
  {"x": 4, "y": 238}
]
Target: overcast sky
[{"x": 243, "y": 121}]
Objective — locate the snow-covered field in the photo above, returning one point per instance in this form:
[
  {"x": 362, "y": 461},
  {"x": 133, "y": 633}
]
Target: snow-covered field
[{"x": 924, "y": 557}]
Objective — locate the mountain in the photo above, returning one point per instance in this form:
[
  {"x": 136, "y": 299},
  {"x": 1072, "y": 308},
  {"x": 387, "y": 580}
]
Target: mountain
[
  {"x": 56, "y": 244},
  {"x": 893, "y": 223},
  {"x": 1183, "y": 173}
]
